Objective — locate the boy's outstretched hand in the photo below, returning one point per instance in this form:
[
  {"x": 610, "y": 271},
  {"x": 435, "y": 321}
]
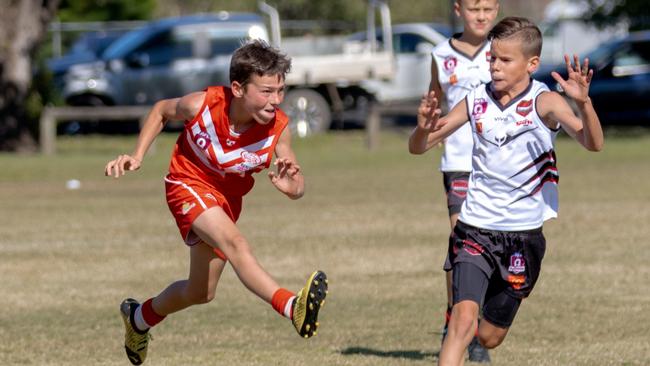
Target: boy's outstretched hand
[
  {"x": 579, "y": 77},
  {"x": 284, "y": 178},
  {"x": 120, "y": 165},
  {"x": 429, "y": 113}
]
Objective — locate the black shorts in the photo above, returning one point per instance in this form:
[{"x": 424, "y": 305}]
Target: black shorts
[
  {"x": 456, "y": 189},
  {"x": 510, "y": 262}
]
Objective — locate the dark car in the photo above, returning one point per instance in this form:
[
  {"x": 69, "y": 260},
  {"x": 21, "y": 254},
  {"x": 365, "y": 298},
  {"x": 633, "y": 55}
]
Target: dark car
[
  {"x": 87, "y": 48},
  {"x": 620, "y": 88}
]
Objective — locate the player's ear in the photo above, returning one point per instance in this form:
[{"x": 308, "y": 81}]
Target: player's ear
[
  {"x": 237, "y": 89},
  {"x": 457, "y": 7},
  {"x": 533, "y": 64}
]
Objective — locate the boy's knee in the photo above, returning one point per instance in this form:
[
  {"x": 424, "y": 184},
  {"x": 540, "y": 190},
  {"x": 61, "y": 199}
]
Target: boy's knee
[
  {"x": 490, "y": 341},
  {"x": 238, "y": 244},
  {"x": 464, "y": 321}
]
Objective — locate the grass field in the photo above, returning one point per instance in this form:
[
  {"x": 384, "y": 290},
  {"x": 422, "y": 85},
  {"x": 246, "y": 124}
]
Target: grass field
[{"x": 374, "y": 221}]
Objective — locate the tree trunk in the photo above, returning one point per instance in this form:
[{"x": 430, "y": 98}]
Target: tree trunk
[{"x": 23, "y": 26}]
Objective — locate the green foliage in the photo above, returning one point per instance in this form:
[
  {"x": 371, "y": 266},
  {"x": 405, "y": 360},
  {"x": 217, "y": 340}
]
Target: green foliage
[
  {"x": 104, "y": 10},
  {"x": 609, "y": 12}
]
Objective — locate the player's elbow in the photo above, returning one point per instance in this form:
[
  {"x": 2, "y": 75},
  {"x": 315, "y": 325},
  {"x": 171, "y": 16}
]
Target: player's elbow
[
  {"x": 595, "y": 146},
  {"x": 416, "y": 149},
  {"x": 598, "y": 146}
]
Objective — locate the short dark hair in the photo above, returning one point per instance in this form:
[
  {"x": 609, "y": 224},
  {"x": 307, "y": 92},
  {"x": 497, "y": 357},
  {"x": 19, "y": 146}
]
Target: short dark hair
[
  {"x": 522, "y": 28},
  {"x": 257, "y": 57}
]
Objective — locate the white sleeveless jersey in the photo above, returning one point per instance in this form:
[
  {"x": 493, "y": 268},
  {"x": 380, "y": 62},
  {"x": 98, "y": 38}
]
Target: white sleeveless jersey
[
  {"x": 459, "y": 73},
  {"x": 513, "y": 183}
]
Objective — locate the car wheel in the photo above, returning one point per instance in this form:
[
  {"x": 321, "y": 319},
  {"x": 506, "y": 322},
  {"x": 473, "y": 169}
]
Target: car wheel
[{"x": 309, "y": 113}]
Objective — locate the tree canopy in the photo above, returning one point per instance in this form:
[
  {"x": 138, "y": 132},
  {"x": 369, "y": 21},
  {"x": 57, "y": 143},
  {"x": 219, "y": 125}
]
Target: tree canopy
[{"x": 608, "y": 12}]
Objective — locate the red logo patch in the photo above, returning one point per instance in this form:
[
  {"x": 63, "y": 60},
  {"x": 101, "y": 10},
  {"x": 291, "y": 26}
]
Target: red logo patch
[
  {"x": 459, "y": 188},
  {"x": 524, "y": 107},
  {"x": 202, "y": 140},
  {"x": 488, "y": 56},
  {"x": 449, "y": 64},
  {"x": 480, "y": 106},
  {"x": 479, "y": 127}
]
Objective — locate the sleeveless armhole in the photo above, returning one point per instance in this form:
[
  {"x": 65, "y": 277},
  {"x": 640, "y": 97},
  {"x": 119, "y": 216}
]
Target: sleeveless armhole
[{"x": 553, "y": 130}]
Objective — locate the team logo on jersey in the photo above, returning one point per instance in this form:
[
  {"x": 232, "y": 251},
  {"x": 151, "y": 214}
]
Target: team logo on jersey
[
  {"x": 524, "y": 107},
  {"x": 449, "y": 64},
  {"x": 517, "y": 263},
  {"x": 480, "y": 106},
  {"x": 251, "y": 158},
  {"x": 187, "y": 207},
  {"x": 229, "y": 142},
  {"x": 479, "y": 127},
  {"x": 202, "y": 140},
  {"x": 250, "y": 161},
  {"x": 488, "y": 56},
  {"x": 453, "y": 79}
]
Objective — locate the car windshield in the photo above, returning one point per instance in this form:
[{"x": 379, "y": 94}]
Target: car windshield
[{"x": 126, "y": 43}]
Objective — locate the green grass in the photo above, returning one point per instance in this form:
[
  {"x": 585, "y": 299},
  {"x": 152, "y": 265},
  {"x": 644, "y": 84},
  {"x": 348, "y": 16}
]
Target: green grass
[{"x": 374, "y": 221}]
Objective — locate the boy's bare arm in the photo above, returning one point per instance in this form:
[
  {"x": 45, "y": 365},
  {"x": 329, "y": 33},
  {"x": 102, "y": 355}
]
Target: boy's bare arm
[
  {"x": 287, "y": 177},
  {"x": 434, "y": 84},
  {"x": 553, "y": 108},
  {"x": 431, "y": 128},
  {"x": 167, "y": 109}
]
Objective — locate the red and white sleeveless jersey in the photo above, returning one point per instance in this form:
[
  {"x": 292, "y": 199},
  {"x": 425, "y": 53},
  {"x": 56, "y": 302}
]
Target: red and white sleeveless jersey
[
  {"x": 208, "y": 149},
  {"x": 513, "y": 183},
  {"x": 458, "y": 74}
]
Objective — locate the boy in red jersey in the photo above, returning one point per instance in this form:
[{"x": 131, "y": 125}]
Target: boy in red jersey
[
  {"x": 497, "y": 245},
  {"x": 230, "y": 133}
]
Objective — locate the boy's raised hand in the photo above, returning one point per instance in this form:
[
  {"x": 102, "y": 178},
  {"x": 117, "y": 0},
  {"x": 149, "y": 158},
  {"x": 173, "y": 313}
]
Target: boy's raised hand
[
  {"x": 429, "y": 113},
  {"x": 579, "y": 77}
]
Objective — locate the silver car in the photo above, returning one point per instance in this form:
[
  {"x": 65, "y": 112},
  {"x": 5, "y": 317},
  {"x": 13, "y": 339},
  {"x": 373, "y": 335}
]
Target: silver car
[{"x": 164, "y": 59}]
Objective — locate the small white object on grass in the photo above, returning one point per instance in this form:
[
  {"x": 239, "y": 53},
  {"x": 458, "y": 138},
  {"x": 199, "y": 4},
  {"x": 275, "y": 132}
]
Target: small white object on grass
[{"x": 73, "y": 184}]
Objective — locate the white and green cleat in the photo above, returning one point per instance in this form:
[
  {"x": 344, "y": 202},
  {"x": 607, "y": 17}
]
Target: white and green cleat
[
  {"x": 308, "y": 302},
  {"x": 135, "y": 342}
]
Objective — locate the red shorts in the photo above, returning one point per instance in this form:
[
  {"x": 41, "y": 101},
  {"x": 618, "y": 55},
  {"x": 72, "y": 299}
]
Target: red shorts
[{"x": 187, "y": 198}]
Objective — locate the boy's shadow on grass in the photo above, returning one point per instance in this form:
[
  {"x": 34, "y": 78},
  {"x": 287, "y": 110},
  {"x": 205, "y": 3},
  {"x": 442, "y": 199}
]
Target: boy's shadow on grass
[{"x": 407, "y": 354}]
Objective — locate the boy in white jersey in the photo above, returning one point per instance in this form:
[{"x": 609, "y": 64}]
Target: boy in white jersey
[
  {"x": 230, "y": 133},
  {"x": 498, "y": 243},
  {"x": 458, "y": 66}
]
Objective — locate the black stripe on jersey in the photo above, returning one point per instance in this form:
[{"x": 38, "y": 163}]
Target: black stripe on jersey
[
  {"x": 547, "y": 173},
  {"x": 550, "y": 155}
]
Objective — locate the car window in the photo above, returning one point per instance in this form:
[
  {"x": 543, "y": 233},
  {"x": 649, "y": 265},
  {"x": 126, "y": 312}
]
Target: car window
[
  {"x": 166, "y": 47},
  {"x": 632, "y": 60},
  {"x": 407, "y": 42}
]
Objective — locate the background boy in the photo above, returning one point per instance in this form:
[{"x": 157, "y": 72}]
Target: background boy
[
  {"x": 498, "y": 243},
  {"x": 229, "y": 134},
  {"x": 457, "y": 67}
]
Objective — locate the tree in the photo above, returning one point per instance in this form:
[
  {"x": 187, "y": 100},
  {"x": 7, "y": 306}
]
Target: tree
[
  {"x": 609, "y": 12},
  {"x": 23, "y": 26}
]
